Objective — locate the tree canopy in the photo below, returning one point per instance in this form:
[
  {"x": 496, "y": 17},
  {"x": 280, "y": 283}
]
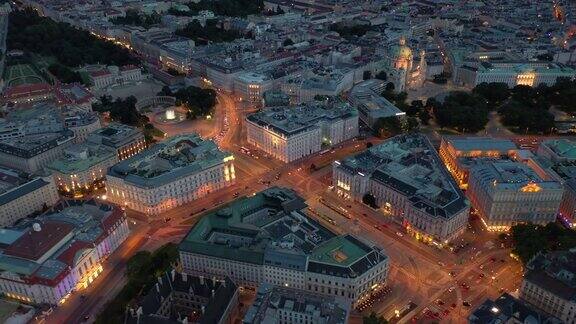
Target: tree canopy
[
  {"x": 136, "y": 18},
  {"x": 72, "y": 47},
  {"x": 121, "y": 110},
  {"x": 495, "y": 93},
  {"x": 142, "y": 269},
  {"x": 232, "y": 8},
  {"x": 462, "y": 111},
  {"x": 349, "y": 31},
  {"x": 198, "y": 101},
  {"x": 64, "y": 73},
  {"x": 374, "y": 318},
  {"x": 530, "y": 239},
  {"x": 209, "y": 33}
]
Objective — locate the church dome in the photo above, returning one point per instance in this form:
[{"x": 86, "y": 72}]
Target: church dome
[{"x": 402, "y": 51}]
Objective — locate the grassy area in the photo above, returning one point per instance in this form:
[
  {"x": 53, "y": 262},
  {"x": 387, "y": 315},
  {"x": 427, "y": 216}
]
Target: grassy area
[
  {"x": 21, "y": 74},
  {"x": 447, "y": 131}
]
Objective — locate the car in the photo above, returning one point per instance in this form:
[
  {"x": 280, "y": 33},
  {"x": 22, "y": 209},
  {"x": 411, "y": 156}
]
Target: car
[
  {"x": 399, "y": 234},
  {"x": 481, "y": 275},
  {"x": 446, "y": 312},
  {"x": 466, "y": 304},
  {"x": 453, "y": 305},
  {"x": 452, "y": 274},
  {"x": 440, "y": 302}
]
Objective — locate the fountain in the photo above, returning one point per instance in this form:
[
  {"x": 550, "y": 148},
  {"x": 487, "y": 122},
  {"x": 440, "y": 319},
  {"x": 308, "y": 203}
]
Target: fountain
[{"x": 170, "y": 114}]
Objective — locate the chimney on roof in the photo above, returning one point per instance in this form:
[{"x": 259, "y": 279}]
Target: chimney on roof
[
  {"x": 212, "y": 293},
  {"x": 173, "y": 273},
  {"x": 202, "y": 309},
  {"x": 184, "y": 277},
  {"x": 157, "y": 287},
  {"x": 201, "y": 280},
  {"x": 36, "y": 227}
]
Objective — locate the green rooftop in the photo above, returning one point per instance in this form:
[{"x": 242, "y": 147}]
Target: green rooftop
[
  {"x": 251, "y": 229},
  {"x": 338, "y": 251}
]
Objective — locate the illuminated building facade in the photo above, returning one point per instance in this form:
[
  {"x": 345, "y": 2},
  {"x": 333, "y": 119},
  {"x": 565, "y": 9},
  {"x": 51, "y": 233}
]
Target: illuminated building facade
[
  {"x": 291, "y": 133},
  {"x": 409, "y": 182},
  {"x": 250, "y": 87},
  {"x": 83, "y": 167},
  {"x": 269, "y": 238},
  {"x": 169, "y": 174},
  {"x": 33, "y": 152},
  {"x": 459, "y": 152},
  {"x": 43, "y": 260},
  {"x": 530, "y": 74},
  {"x": 505, "y": 193},
  {"x": 558, "y": 159},
  {"x": 126, "y": 140},
  {"x": 22, "y": 194}
]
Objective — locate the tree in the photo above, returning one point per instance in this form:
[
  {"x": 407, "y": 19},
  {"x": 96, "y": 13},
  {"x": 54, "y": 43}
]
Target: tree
[
  {"x": 199, "y": 102},
  {"x": 349, "y": 31},
  {"x": 530, "y": 239},
  {"x": 70, "y": 46},
  {"x": 121, "y": 110},
  {"x": 381, "y": 76},
  {"x": 64, "y": 74},
  {"x": 231, "y": 8},
  {"x": 288, "y": 42},
  {"x": 389, "y": 87},
  {"x": 526, "y": 119},
  {"x": 210, "y": 32},
  {"x": 462, "y": 111},
  {"x": 368, "y": 199},
  {"x": 411, "y": 125},
  {"x": 374, "y": 318},
  {"x": 495, "y": 93},
  {"x": 136, "y": 18},
  {"x": 387, "y": 126},
  {"x": 366, "y": 75}
]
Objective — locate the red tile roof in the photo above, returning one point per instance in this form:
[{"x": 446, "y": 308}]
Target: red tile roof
[
  {"x": 100, "y": 73},
  {"x": 33, "y": 245},
  {"x": 24, "y": 90},
  {"x": 68, "y": 255}
]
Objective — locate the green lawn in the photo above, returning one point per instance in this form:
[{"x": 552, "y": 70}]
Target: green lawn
[{"x": 21, "y": 74}]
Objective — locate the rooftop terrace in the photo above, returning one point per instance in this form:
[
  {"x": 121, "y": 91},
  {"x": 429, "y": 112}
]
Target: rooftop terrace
[
  {"x": 166, "y": 161},
  {"x": 293, "y": 120}
]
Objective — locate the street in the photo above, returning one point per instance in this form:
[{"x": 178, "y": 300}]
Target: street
[{"x": 437, "y": 282}]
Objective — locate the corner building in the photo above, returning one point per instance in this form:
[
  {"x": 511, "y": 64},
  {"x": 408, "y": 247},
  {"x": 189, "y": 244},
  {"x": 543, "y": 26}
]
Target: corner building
[
  {"x": 409, "y": 182},
  {"x": 269, "y": 238},
  {"x": 169, "y": 174}
]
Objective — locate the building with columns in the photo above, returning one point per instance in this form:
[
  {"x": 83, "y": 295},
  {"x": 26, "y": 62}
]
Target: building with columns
[
  {"x": 459, "y": 153},
  {"x": 169, "y": 174},
  {"x": 42, "y": 260},
  {"x": 505, "y": 193}
]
